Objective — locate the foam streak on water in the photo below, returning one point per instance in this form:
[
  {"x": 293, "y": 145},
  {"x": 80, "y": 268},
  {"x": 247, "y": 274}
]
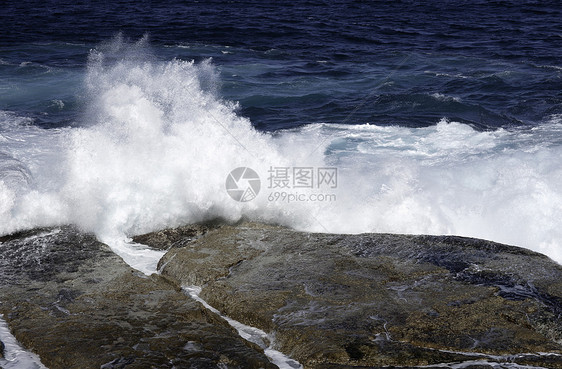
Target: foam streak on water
[
  {"x": 16, "y": 357},
  {"x": 156, "y": 145},
  {"x": 251, "y": 334}
]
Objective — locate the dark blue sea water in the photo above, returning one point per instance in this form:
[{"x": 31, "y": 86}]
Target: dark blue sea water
[
  {"x": 441, "y": 117},
  {"x": 294, "y": 63}
]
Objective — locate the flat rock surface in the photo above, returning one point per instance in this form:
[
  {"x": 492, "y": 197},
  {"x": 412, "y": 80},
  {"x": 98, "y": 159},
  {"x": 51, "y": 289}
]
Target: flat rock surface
[
  {"x": 76, "y": 304},
  {"x": 373, "y": 300}
]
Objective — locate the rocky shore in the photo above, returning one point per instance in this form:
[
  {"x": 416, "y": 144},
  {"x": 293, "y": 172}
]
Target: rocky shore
[
  {"x": 329, "y": 301},
  {"x": 76, "y": 304}
]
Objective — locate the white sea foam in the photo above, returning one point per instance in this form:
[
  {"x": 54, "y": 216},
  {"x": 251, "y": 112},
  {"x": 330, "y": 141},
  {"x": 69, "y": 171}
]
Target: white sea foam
[
  {"x": 251, "y": 334},
  {"x": 15, "y": 356},
  {"x": 157, "y": 145},
  {"x": 442, "y": 97},
  {"x": 449, "y": 179}
]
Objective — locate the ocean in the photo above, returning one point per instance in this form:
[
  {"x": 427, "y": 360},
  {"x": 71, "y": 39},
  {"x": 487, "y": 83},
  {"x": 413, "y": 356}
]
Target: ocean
[{"x": 410, "y": 117}]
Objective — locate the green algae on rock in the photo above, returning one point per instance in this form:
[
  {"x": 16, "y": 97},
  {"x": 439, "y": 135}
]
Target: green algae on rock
[
  {"x": 377, "y": 299},
  {"x": 76, "y": 304},
  {"x": 329, "y": 301}
]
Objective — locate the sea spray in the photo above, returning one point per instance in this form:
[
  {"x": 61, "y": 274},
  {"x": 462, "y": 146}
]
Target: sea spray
[
  {"x": 156, "y": 143},
  {"x": 500, "y": 185},
  {"x": 159, "y": 149}
]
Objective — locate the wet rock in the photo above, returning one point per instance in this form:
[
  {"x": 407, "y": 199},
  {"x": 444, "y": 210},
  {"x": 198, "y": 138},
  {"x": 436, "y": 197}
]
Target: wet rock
[
  {"x": 179, "y": 236},
  {"x": 76, "y": 304},
  {"x": 335, "y": 301}
]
